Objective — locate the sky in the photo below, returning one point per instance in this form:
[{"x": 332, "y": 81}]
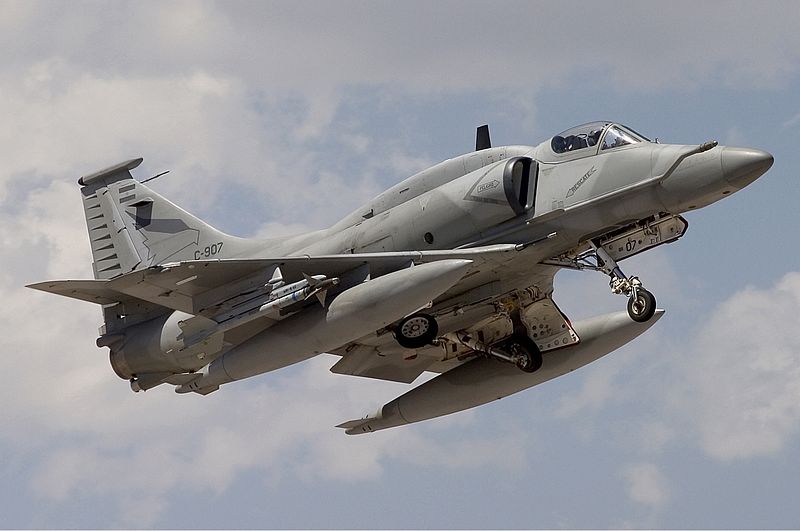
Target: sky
[{"x": 279, "y": 117}]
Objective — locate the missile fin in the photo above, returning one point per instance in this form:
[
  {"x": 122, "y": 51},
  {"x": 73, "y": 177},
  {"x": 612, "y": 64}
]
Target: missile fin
[{"x": 321, "y": 296}]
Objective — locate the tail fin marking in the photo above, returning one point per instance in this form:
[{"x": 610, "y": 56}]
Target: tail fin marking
[{"x": 132, "y": 227}]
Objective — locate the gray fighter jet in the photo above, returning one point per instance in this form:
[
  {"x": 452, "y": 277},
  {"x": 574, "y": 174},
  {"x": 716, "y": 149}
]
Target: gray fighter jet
[{"x": 450, "y": 271}]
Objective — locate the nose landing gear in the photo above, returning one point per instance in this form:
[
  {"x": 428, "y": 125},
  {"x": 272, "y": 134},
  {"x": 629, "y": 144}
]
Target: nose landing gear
[{"x": 641, "y": 303}]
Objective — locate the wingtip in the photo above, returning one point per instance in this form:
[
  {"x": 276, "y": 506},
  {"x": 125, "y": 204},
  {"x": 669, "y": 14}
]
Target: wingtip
[
  {"x": 357, "y": 426},
  {"x": 350, "y": 424},
  {"x": 45, "y": 286}
]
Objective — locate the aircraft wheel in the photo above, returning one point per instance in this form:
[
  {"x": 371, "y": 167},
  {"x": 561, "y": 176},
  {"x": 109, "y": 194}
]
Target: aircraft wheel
[
  {"x": 527, "y": 354},
  {"x": 642, "y": 307},
  {"x": 416, "y": 331}
]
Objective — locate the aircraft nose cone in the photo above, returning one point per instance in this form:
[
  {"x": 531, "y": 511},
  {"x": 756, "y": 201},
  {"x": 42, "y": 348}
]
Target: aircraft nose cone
[{"x": 741, "y": 166}]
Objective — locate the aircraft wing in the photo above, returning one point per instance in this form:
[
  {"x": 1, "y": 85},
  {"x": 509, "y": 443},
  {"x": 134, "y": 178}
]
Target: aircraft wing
[
  {"x": 96, "y": 291},
  {"x": 200, "y": 287}
]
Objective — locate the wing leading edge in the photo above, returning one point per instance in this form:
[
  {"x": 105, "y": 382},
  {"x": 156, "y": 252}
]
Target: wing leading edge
[{"x": 197, "y": 285}]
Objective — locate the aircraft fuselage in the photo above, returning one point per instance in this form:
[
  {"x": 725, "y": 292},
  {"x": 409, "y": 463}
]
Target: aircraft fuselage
[{"x": 486, "y": 231}]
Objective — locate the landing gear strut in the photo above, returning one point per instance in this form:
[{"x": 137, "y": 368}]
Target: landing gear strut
[
  {"x": 519, "y": 349},
  {"x": 641, "y": 303}
]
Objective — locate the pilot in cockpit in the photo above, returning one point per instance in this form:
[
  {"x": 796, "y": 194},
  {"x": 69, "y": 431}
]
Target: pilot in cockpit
[
  {"x": 593, "y": 137},
  {"x": 607, "y": 134}
]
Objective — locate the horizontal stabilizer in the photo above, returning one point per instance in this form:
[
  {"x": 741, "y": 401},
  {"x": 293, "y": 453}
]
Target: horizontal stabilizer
[
  {"x": 96, "y": 291},
  {"x": 112, "y": 173}
]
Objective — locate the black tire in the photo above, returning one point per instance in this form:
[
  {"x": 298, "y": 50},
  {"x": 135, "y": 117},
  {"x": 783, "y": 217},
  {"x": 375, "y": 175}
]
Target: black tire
[
  {"x": 531, "y": 359},
  {"x": 643, "y": 307},
  {"x": 416, "y": 331}
]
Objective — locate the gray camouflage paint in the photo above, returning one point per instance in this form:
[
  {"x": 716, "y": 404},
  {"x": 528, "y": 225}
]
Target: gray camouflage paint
[{"x": 464, "y": 202}]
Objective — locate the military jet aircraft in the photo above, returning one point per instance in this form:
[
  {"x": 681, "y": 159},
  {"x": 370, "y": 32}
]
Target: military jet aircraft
[{"x": 449, "y": 271}]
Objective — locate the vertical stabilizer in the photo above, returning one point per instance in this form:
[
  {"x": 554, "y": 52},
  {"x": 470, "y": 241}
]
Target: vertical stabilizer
[{"x": 132, "y": 227}]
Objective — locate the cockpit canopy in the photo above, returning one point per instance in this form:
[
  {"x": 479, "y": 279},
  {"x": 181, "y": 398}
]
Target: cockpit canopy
[{"x": 609, "y": 135}]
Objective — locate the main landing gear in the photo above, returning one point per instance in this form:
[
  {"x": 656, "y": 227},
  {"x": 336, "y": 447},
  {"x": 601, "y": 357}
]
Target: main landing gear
[
  {"x": 641, "y": 303},
  {"x": 519, "y": 350},
  {"x": 524, "y": 353},
  {"x": 417, "y": 330},
  {"x": 421, "y": 329}
]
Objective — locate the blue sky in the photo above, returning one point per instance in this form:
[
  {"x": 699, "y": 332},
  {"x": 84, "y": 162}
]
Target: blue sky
[{"x": 281, "y": 117}]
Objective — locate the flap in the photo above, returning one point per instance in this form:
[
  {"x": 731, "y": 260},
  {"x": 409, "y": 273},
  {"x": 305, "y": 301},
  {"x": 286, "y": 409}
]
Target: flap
[{"x": 395, "y": 364}]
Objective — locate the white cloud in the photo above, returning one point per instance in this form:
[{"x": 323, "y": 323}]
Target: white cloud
[
  {"x": 276, "y": 229},
  {"x": 316, "y": 49},
  {"x": 207, "y": 129},
  {"x": 235, "y": 95},
  {"x": 202, "y": 88},
  {"x": 89, "y": 433},
  {"x": 647, "y": 485},
  {"x": 655, "y": 435},
  {"x": 791, "y": 122},
  {"x": 65, "y": 123},
  {"x": 90, "y": 436},
  {"x": 735, "y": 136},
  {"x": 743, "y": 373},
  {"x": 598, "y": 387},
  {"x": 281, "y": 427},
  {"x": 728, "y": 386}
]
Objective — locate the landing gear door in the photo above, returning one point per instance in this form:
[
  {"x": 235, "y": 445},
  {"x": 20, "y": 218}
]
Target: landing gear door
[{"x": 652, "y": 233}]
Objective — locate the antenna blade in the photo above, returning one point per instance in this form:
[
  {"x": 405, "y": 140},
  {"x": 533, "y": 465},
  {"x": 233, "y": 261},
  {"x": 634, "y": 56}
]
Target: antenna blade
[{"x": 482, "y": 140}]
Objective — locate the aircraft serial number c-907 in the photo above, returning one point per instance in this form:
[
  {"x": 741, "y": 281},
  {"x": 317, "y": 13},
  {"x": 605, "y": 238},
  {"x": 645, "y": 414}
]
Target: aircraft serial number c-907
[{"x": 208, "y": 251}]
